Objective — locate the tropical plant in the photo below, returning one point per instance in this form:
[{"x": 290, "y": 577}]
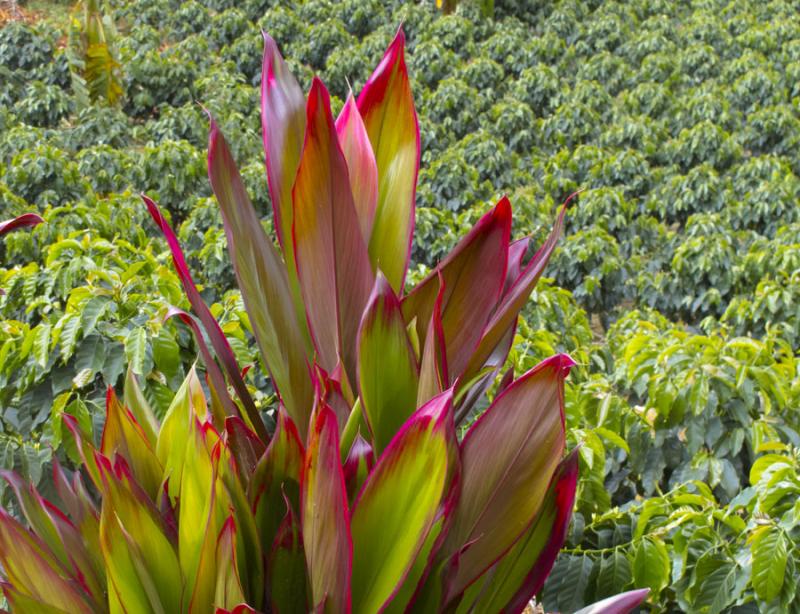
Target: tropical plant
[
  {"x": 92, "y": 55},
  {"x": 25, "y": 220},
  {"x": 363, "y": 498}
]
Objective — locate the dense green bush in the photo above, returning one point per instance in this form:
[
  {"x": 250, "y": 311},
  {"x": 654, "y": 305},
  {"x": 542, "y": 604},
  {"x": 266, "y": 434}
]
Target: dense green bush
[{"x": 675, "y": 288}]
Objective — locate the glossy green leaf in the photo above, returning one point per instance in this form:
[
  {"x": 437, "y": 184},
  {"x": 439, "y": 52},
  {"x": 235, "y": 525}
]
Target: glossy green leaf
[
  {"x": 651, "y": 564},
  {"x": 166, "y": 353},
  {"x": 92, "y": 310},
  {"x": 768, "y": 545},
  {"x": 135, "y": 347},
  {"x": 615, "y": 574},
  {"x": 716, "y": 583}
]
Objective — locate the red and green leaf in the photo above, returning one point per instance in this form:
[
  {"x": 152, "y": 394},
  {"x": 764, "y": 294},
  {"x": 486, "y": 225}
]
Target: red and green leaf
[
  {"x": 264, "y": 284},
  {"x": 277, "y": 478},
  {"x": 81, "y": 510},
  {"x": 332, "y": 260},
  {"x": 204, "y": 505},
  {"x": 134, "y": 400},
  {"x": 249, "y": 552},
  {"x": 123, "y": 435},
  {"x": 325, "y": 518},
  {"x": 188, "y": 405},
  {"x": 218, "y": 340},
  {"x": 511, "y": 583},
  {"x": 221, "y": 404},
  {"x": 387, "y": 368},
  {"x": 61, "y": 536},
  {"x": 513, "y": 300},
  {"x": 387, "y": 108},
  {"x": 24, "y": 604},
  {"x": 283, "y": 124},
  {"x": 473, "y": 275},
  {"x": 245, "y": 447},
  {"x": 287, "y": 568},
  {"x": 618, "y": 604},
  {"x": 229, "y": 590},
  {"x": 141, "y": 559},
  {"x": 33, "y": 571},
  {"x": 508, "y": 458},
  {"x": 398, "y": 504},
  {"x": 358, "y": 465},
  {"x": 433, "y": 372},
  {"x": 361, "y": 166}
]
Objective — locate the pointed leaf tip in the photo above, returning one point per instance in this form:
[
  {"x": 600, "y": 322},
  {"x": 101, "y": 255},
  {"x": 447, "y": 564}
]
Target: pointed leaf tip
[
  {"x": 474, "y": 273},
  {"x": 21, "y": 221},
  {"x": 561, "y": 363},
  {"x": 509, "y": 456},
  {"x": 361, "y": 165},
  {"x": 282, "y": 126},
  {"x": 502, "y": 210},
  {"x": 333, "y": 265},
  {"x": 618, "y": 604},
  {"x": 514, "y": 298},
  {"x": 396, "y": 145}
]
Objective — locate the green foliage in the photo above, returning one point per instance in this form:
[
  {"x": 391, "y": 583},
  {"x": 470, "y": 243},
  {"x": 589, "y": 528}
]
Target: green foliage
[
  {"x": 679, "y": 121},
  {"x": 363, "y": 496}
]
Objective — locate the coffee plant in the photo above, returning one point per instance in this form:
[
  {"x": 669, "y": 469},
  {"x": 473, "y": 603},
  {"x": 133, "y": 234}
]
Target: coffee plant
[{"x": 674, "y": 288}]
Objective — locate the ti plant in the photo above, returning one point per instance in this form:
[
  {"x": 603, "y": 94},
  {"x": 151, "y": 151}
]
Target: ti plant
[
  {"x": 26, "y": 220},
  {"x": 21, "y": 221},
  {"x": 363, "y": 498}
]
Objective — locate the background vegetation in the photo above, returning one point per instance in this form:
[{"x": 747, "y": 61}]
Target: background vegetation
[{"x": 676, "y": 287}]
